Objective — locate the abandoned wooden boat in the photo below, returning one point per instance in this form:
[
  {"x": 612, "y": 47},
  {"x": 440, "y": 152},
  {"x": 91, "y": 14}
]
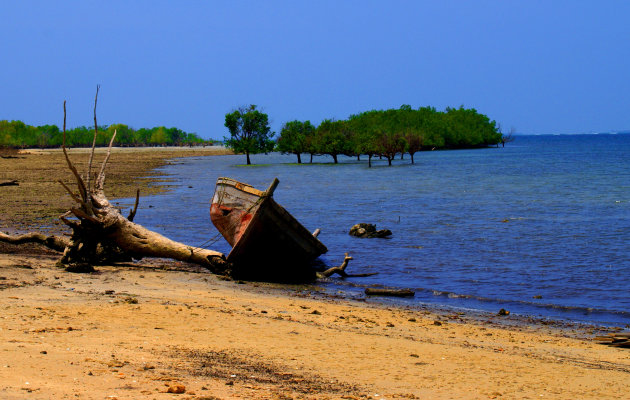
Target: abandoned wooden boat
[{"x": 267, "y": 242}]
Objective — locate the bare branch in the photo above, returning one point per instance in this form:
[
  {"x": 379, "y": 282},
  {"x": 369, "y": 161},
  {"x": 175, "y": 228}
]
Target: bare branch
[
  {"x": 132, "y": 213},
  {"x": 82, "y": 215},
  {"x": 74, "y": 196},
  {"x": 54, "y": 242},
  {"x": 100, "y": 179},
  {"x": 341, "y": 270},
  {"x": 89, "y": 170},
  {"x": 72, "y": 224},
  {"x": 80, "y": 182}
]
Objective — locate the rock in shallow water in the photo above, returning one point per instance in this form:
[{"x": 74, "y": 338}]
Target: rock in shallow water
[{"x": 368, "y": 231}]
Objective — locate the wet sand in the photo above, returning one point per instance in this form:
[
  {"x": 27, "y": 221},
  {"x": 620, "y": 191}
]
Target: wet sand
[
  {"x": 141, "y": 330},
  {"x": 39, "y": 198}
]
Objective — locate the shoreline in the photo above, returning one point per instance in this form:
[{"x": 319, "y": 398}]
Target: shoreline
[
  {"x": 39, "y": 199},
  {"x": 140, "y": 329}
]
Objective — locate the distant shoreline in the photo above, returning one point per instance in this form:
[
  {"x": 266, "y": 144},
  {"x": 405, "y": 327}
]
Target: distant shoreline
[{"x": 39, "y": 199}]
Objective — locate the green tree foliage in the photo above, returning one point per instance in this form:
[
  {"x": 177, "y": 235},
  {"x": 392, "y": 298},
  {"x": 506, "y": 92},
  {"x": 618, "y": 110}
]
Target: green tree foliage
[
  {"x": 296, "y": 138},
  {"x": 249, "y": 131},
  {"x": 333, "y": 138},
  {"x": 386, "y": 133},
  {"x": 18, "y": 134}
]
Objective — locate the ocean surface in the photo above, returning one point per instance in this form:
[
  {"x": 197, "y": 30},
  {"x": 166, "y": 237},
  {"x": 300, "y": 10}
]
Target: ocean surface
[{"x": 540, "y": 227}]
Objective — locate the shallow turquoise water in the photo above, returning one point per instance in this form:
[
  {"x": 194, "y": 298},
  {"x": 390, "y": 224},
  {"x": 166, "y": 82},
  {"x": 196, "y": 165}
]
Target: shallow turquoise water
[{"x": 483, "y": 229}]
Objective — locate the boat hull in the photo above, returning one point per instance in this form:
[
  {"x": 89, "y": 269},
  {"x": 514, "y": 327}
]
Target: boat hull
[{"x": 267, "y": 242}]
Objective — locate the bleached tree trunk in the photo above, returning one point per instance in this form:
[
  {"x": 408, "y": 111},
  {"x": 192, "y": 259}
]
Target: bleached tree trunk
[{"x": 101, "y": 234}]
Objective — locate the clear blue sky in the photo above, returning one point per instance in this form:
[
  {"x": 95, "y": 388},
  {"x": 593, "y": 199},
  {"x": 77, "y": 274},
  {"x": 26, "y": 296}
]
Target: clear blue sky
[{"x": 539, "y": 66}]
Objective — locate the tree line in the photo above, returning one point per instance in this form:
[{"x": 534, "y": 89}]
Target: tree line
[
  {"x": 17, "y": 134},
  {"x": 388, "y": 133}
]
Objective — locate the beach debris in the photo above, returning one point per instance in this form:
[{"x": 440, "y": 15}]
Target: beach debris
[
  {"x": 101, "y": 234},
  {"x": 390, "y": 292},
  {"x": 341, "y": 270},
  {"x": 262, "y": 233},
  {"x": 503, "y": 312},
  {"x": 13, "y": 182},
  {"x": 619, "y": 339},
  {"x": 363, "y": 230}
]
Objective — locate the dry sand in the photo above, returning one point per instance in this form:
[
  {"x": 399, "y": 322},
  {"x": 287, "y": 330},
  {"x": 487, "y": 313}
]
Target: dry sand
[
  {"x": 139, "y": 331},
  {"x": 133, "y": 332}
]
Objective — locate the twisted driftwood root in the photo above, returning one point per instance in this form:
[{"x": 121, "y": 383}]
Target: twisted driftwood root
[
  {"x": 341, "y": 270},
  {"x": 101, "y": 234}
]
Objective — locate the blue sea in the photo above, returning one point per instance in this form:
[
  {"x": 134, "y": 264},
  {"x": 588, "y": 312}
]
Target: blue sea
[{"x": 540, "y": 227}]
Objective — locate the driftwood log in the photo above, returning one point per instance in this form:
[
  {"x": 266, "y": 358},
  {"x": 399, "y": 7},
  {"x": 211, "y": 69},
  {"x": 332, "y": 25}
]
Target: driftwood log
[
  {"x": 101, "y": 234},
  {"x": 390, "y": 292},
  {"x": 13, "y": 182}
]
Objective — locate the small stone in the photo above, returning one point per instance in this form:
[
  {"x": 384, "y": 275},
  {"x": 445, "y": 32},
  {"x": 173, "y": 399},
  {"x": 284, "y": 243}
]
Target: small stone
[
  {"x": 176, "y": 389},
  {"x": 43, "y": 352},
  {"x": 315, "y": 312},
  {"x": 503, "y": 312},
  {"x": 437, "y": 323}
]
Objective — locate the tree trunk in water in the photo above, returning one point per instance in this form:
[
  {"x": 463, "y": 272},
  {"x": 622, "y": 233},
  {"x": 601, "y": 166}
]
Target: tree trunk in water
[
  {"x": 402, "y": 156},
  {"x": 311, "y": 158},
  {"x": 389, "y": 160},
  {"x": 369, "y": 161},
  {"x": 358, "y": 157},
  {"x": 411, "y": 154},
  {"x": 248, "y": 161},
  {"x": 334, "y": 156},
  {"x": 299, "y": 157}
]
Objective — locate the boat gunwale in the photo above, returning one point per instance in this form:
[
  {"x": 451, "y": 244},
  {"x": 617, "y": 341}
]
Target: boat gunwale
[{"x": 243, "y": 187}]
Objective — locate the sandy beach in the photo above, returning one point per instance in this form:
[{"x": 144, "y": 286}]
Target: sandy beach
[{"x": 159, "y": 329}]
